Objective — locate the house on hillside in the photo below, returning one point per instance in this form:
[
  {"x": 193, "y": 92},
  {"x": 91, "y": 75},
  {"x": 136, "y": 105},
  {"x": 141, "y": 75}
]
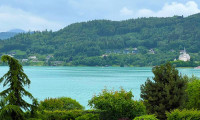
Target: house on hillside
[
  {"x": 12, "y": 53},
  {"x": 24, "y": 60},
  {"x": 32, "y": 57},
  {"x": 56, "y": 63},
  {"x": 134, "y": 51},
  {"x": 49, "y": 56},
  {"x": 104, "y": 55},
  {"x": 151, "y": 51},
  {"x": 126, "y": 51}
]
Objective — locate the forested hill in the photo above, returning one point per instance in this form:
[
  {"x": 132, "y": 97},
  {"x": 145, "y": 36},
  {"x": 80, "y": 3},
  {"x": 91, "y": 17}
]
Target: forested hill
[{"x": 138, "y": 42}]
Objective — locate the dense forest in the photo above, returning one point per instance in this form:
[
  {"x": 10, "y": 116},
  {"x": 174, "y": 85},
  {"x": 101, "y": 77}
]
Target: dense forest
[{"x": 134, "y": 42}]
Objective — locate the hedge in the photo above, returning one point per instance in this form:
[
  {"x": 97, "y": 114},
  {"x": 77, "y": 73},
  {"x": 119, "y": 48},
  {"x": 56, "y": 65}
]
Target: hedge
[
  {"x": 88, "y": 116},
  {"x": 69, "y": 115},
  {"x": 146, "y": 117},
  {"x": 184, "y": 115}
]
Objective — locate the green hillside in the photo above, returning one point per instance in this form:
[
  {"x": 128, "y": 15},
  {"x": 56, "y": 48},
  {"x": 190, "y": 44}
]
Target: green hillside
[{"x": 137, "y": 42}]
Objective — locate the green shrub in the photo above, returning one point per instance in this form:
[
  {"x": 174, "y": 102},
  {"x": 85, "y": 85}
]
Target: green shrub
[
  {"x": 146, "y": 117},
  {"x": 193, "y": 93},
  {"x": 69, "y": 115},
  {"x": 34, "y": 119},
  {"x": 63, "y": 103},
  {"x": 184, "y": 115},
  {"x": 61, "y": 115},
  {"x": 117, "y": 105},
  {"x": 88, "y": 116}
]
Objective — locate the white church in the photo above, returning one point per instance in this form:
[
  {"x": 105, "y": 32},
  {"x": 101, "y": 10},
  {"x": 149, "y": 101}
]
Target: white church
[{"x": 184, "y": 56}]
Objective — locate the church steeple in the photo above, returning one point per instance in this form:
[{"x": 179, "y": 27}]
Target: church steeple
[{"x": 184, "y": 50}]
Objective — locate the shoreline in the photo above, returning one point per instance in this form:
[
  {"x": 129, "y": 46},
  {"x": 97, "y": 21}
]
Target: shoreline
[{"x": 97, "y": 66}]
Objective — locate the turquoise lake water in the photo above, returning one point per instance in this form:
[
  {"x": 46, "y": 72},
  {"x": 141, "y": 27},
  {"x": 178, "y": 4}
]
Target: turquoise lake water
[{"x": 81, "y": 83}]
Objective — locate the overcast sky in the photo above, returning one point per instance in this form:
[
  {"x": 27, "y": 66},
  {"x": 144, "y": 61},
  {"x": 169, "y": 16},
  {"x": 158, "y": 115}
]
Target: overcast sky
[{"x": 56, "y": 14}]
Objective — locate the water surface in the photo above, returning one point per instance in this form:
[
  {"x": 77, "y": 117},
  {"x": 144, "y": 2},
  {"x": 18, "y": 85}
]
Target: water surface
[{"x": 81, "y": 83}]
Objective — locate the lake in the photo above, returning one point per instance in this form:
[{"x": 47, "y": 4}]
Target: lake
[{"x": 81, "y": 83}]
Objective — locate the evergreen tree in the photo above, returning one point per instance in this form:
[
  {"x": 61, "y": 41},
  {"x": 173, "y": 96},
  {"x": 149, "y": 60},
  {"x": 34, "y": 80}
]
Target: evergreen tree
[
  {"x": 15, "y": 79},
  {"x": 165, "y": 92}
]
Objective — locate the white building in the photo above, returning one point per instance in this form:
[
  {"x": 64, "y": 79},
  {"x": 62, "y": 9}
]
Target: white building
[
  {"x": 24, "y": 60},
  {"x": 32, "y": 57},
  {"x": 184, "y": 56}
]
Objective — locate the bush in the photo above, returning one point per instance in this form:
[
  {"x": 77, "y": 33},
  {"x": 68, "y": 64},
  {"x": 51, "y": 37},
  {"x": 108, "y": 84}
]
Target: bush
[
  {"x": 69, "y": 115},
  {"x": 146, "y": 117},
  {"x": 63, "y": 103},
  {"x": 34, "y": 119},
  {"x": 193, "y": 92},
  {"x": 117, "y": 105},
  {"x": 88, "y": 116},
  {"x": 184, "y": 115},
  {"x": 61, "y": 115}
]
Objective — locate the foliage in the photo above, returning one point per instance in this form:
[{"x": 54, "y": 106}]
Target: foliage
[
  {"x": 88, "y": 116},
  {"x": 146, "y": 117},
  {"x": 193, "y": 93},
  {"x": 117, "y": 105},
  {"x": 11, "y": 112},
  {"x": 34, "y": 109},
  {"x": 184, "y": 64},
  {"x": 12, "y": 97},
  {"x": 165, "y": 92},
  {"x": 61, "y": 115},
  {"x": 62, "y": 103},
  {"x": 183, "y": 115},
  {"x": 69, "y": 114}
]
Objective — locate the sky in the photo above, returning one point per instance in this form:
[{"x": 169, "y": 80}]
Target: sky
[{"x": 34, "y": 15}]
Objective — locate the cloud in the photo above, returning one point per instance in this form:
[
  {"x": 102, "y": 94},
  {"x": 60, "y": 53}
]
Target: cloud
[
  {"x": 126, "y": 12},
  {"x": 172, "y": 9},
  {"x": 17, "y": 18}
]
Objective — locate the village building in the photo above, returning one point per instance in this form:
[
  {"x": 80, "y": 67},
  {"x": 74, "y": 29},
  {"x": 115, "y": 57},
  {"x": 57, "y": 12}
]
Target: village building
[
  {"x": 10, "y": 55},
  {"x": 55, "y": 63},
  {"x": 49, "y": 56},
  {"x": 126, "y": 51},
  {"x": 151, "y": 51},
  {"x": 184, "y": 56},
  {"x": 24, "y": 60},
  {"x": 32, "y": 57},
  {"x": 134, "y": 51},
  {"x": 104, "y": 55}
]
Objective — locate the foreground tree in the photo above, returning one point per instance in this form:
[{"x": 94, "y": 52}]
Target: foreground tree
[
  {"x": 12, "y": 98},
  {"x": 165, "y": 92},
  {"x": 117, "y": 105}
]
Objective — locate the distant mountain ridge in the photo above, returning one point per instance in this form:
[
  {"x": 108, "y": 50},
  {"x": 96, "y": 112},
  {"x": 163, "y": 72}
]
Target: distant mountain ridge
[
  {"x": 96, "y": 42},
  {"x": 10, "y": 33},
  {"x": 17, "y": 31}
]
